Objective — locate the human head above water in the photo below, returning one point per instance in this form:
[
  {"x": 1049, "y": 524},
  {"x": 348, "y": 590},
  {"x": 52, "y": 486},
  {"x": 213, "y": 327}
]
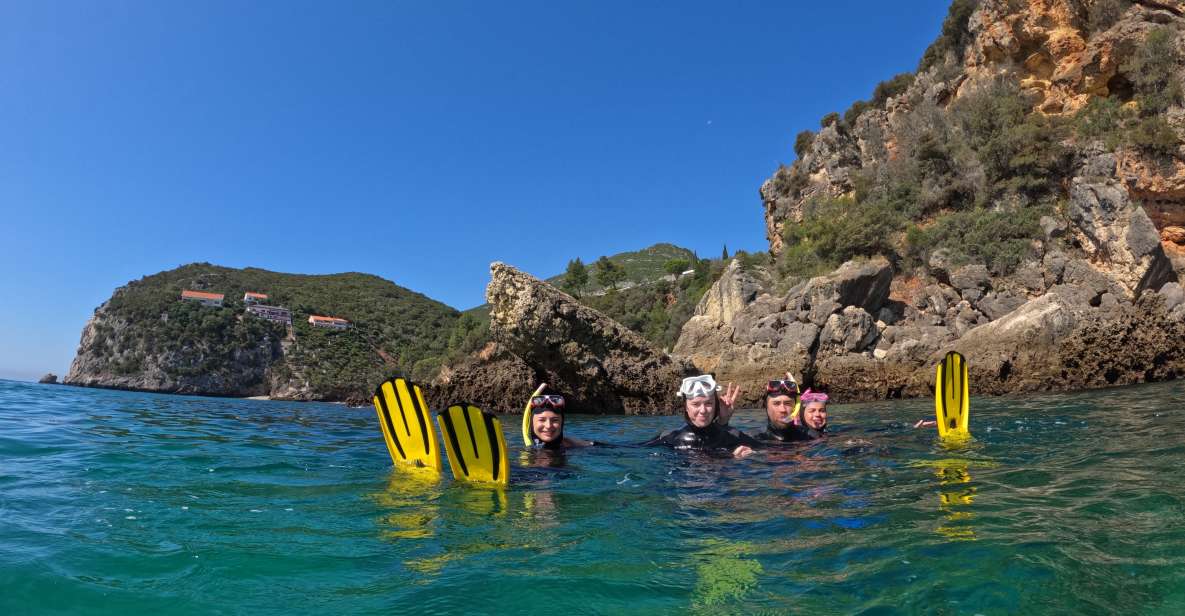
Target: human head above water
[
  {"x": 780, "y": 396},
  {"x": 814, "y": 409},
  {"x": 699, "y": 399},
  {"x": 547, "y": 418}
]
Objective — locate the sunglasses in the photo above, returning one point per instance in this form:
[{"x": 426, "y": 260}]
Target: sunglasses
[
  {"x": 782, "y": 386},
  {"x": 552, "y": 400}
]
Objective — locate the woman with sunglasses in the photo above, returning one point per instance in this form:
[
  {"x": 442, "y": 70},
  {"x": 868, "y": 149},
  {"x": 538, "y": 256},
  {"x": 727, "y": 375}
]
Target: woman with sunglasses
[
  {"x": 702, "y": 407},
  {"x": 543, "y": 422}
]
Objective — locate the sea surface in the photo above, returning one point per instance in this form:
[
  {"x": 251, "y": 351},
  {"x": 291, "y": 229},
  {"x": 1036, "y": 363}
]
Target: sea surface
[{"x": 128, "y": 503}]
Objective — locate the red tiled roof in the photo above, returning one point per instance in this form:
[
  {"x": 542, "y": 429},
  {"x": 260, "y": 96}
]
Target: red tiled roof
[
  {"x": 314, "y": 317},
  {"x": 200, "y": 295}
]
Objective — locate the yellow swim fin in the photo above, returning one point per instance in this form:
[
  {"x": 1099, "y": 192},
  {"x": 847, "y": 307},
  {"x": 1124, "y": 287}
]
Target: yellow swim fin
[
  {"x": 475, "y": 445},
  {"x": 952, "y": 400},
  {"x": 403, "y": 418}
]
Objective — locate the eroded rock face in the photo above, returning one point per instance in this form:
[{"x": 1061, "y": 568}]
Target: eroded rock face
[
  {"x": 245, "y": 374},
  {"x": 1118, "y": 236},
  {"x": 494, "y": 379},
  {"x": 598, "y": 363}
]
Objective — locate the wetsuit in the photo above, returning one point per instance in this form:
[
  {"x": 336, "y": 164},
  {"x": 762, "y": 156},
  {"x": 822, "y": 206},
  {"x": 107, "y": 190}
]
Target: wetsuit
[
  {"x": 562, "y": 443},
  {"x": 708, "y": 438},
  {"x": 789, "y": 434}
]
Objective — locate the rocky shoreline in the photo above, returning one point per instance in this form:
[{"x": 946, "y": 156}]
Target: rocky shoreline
[{"x": 1089, "y": 295}]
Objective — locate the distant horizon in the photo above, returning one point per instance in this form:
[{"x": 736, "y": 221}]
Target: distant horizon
[{"x": 417, "y": 143}]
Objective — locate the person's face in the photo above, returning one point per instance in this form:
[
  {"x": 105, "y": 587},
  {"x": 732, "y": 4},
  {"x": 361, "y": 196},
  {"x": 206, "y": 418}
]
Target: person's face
[
  {"x": 814, "y": 414},
  {"x": 701, "y": 411},
  {"x": 547, "y": 425},
  {"x": 779, "y": 409}
]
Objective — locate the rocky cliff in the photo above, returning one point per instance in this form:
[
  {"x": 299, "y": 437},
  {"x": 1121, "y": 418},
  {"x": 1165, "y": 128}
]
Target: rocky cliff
[
  {"x": 542, "y": 334},
  {"x": 145, "y": 337},
  {"x": 1019, "y": 198}
]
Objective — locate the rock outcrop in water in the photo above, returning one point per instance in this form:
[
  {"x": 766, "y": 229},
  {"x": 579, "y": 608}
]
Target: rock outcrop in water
[
  {"x": 544, "y": 335},
  {"x": 49, "y": 379}
]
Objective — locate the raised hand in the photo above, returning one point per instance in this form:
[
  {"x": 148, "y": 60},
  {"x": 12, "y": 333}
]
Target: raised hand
[{"x": 727, "y": 403}]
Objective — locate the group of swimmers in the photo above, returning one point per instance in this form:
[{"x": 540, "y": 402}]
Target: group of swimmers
[{"x": 792, "y": 416}]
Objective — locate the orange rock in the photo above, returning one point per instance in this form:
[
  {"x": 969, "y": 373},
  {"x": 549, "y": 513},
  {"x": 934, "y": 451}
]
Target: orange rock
[{"x": 1175, "y": 235}]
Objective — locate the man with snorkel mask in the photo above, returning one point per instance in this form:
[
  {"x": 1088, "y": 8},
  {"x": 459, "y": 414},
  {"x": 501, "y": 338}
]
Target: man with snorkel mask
[{"x": 703, "y": 405}]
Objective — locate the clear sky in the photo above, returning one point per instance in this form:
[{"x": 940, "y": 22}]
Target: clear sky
[{"x": 418, "y": 141}]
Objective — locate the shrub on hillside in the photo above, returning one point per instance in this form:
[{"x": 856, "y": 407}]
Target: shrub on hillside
[
  {"x": 803, "y": 142},
  {"x": 955, "y": 35},
  {"x": 835, "y": 230},
  {"x": 1152, "y": 70},
  {"x": 890, "y": 88},
  {"x": 999, "y": 239}
]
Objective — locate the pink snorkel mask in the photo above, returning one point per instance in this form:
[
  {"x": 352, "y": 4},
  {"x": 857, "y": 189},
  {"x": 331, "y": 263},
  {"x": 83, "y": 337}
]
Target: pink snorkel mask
[{"x": 813, "y": 396}]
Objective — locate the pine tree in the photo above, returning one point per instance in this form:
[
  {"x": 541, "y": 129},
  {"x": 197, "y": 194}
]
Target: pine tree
[
  {"x": 576, "y": 277},
  {"x": 609, "y": 274},
  {"x": 724, "y": 256}
]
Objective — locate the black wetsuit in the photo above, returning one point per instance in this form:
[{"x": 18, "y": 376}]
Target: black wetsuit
[
  {"x": 712, "y": 437},
  {"x": 789, "y": 434}
]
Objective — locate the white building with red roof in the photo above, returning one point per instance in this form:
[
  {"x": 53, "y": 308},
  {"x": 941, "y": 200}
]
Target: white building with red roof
[
  {"x": 330, "y": 322},
  {"x": 251, "y": 297},
  {"x": 206, "y": 299}
]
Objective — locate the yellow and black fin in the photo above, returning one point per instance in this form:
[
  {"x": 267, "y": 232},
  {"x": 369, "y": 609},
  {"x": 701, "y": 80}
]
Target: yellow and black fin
[
  {"x": 475, "y": 445},
  {"x": 407, "y": 429},
  {"x": 952, "y": 400}
]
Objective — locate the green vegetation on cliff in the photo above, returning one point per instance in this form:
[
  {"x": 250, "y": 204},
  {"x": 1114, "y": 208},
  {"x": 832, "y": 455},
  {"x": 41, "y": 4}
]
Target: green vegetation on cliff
[{"x": 396, "y": 331}]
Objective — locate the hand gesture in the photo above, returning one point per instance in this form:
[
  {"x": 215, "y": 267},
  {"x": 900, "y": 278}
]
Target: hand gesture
[
  {"x": 742, "y": 451},
  {"x": 727, "y": 403}
]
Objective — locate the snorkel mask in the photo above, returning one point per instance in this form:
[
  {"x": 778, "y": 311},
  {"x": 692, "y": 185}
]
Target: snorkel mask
[
  {"x": 543, "y": 403},
  {"x": 702, "y": 386},
  {"x": 809, "y": 396},
  {"x": 697, "y": 386}
]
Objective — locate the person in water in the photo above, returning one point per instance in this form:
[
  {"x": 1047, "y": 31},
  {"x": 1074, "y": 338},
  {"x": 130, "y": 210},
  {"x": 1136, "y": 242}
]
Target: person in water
[
  {"x": 547, "y": 423},
  {"x": 813, "y": 422},
  {"x": 702, "y": 408},
  {"x": 779, "y": 401}
]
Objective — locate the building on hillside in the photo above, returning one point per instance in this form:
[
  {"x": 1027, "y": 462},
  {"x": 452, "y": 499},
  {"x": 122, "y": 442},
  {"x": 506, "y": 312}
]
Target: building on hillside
[
  {"x": 271, "y": 313},
  {"x": 206, "y": 299},
  {"x": 330, "y": 322},
  {"x": 250, "y": 297}
]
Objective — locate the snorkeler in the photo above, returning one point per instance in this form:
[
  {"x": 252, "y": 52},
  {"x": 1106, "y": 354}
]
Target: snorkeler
[
  {"x": 543, "y": 422},
  {"x": 781, "y": 411},
  {"x": 702, "y": 407},
  {"x": 812, "y": 424}
]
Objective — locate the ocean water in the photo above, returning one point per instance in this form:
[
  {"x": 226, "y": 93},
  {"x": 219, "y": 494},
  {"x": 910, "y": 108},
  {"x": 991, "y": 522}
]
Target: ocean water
[{"x": 120, "y": 503}]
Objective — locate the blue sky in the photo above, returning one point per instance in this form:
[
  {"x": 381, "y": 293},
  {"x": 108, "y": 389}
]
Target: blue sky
[{"x": 418, "y": 141}]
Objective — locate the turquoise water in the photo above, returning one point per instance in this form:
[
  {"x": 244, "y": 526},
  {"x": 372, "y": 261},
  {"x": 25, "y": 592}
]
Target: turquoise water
[{"x": 116, "y": 502}]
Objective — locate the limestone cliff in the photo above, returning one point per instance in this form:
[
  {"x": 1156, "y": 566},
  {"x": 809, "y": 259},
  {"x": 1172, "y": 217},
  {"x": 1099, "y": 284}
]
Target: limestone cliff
[
  {"x": 1027, "y": 186},
  {"x": 145, "y": 337}
]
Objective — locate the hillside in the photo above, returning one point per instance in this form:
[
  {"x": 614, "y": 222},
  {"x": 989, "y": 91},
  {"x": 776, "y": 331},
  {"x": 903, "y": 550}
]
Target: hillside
[
  {"x": 1020, "y": 198},
  {"x": 146, "y": 338},
  {"x": 638, "y": 267}
]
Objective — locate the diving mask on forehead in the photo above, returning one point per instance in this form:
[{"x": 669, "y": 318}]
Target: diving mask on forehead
[{"x": 696, "y": 386}]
